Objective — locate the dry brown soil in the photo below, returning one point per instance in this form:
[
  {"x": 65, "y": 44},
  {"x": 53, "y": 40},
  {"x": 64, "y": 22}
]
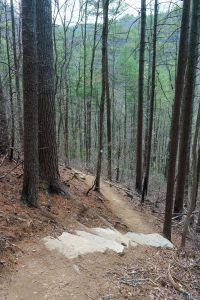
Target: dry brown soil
[{"x": 140, "y": 273}]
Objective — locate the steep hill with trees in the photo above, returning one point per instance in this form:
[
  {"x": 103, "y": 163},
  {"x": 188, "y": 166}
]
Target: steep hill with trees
[{"x": 109, "y": 88}]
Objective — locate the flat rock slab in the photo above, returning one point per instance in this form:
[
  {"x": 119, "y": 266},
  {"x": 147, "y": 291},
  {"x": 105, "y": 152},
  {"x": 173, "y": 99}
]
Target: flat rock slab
[
  {"x": 100, "y": 240},
  {"x": 152, "y": 239}
]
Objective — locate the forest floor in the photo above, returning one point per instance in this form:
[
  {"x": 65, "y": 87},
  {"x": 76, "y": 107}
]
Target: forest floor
[{"x": 28, "y": 271}]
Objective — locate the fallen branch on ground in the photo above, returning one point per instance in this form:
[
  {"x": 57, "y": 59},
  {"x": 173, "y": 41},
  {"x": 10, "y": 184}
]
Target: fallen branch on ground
[
  {"x": 90, "y": 189},
  {"x": 178, "y": 286},
  {"x": 5, "y": 175}
]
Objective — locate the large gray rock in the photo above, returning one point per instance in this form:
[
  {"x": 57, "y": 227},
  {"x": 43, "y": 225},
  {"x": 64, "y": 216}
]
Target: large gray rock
[{"x": 100, "y": 240}]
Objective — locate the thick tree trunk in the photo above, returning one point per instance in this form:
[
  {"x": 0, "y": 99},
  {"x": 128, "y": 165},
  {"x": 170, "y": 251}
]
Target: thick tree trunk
[
  {"x": 31, "y": 168},
  {"x": 138, "y": 185},
  {"x": 174, "y": 132},
  {"x": 48, "y": 158}
]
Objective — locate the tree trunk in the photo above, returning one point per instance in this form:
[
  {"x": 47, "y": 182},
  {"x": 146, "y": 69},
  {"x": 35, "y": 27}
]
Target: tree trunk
[
  {"x": 138, "y": 185},
  {"x": 148, "y": 98},
  {"x": 66, "y": 128},
  {"x": 89, "y": 103},
  {"x": 31, "y": 168},
  {"x": 105, "y": 4},
  {"x": 10, "y": 90},
  {"x": 17, "y": 78},
  {"x": 118, "y": 154},
  {"x": 108, "y": 102},
  {"x": 188, "y": 100},
  {"x": 48, "y": 158},
  {"x": 85, "y": 82},
  {"x": 151, "y": 110},
  {"x": 4, "y": 136},
  {"x": 194, "y": 181},
  {"x": 174, "y": 132}
]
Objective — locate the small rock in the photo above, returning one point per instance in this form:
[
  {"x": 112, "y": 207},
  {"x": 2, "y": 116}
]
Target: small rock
[{"x": 76, "y": 269}]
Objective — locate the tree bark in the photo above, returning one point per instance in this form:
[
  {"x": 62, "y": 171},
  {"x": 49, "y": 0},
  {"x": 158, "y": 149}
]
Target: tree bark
[
  {"x": 108, "y": 101},
  {"x": 188, "y": 100},
  {"x": 194, "y": 181},
  {"x": 31, "y": 168},
  {"x": 85, "y": 82},
  {"x": 105, "y": 4},
  {"x": 4, "y": 136},
  {"x": 152, "y": 100},
  {"x": 174, "y": 132},
  {"x": 17, "y": 77},
  {"x": 48, "y": 157},
  {"x": 10, "y": 90},
  {"x": 138, "y": 185},
  {"x": 89, "y": 103}
]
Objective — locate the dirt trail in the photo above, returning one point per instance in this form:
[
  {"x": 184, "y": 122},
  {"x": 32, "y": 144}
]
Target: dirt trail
[
  {"x": 134, "y": 220},
  {"x": 42, "y": 274}
]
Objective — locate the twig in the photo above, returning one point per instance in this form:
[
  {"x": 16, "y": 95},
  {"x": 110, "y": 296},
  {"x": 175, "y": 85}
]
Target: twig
[
  {"x": 5, "y": 175},
  {"x": 89, "y": 296},
  {"x": 90, "y": 189},
  {"x": 178, "y": 286}
]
